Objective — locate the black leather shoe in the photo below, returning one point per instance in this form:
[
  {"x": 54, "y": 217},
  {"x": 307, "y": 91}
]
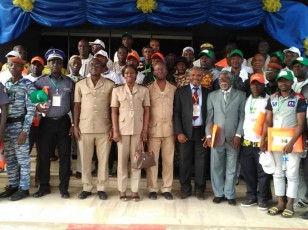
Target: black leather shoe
[
  {"x": 232, "y": 202},
  {"x": 218, "y": 200},
  {"x": 65, "y": 195},
  {"x": 20, "y": 194},
  {"x": 153, "y": 195},
  {"x": 41, "y": 192},
  {"x": 200, "y": 196},
  {"x": 9, "y": 191},
  {"x": 102, "y": 195},
  {"x": 84, "y": 195},
  {"x": 167, "y": 195},
  {"x": 185, "y": 195}
]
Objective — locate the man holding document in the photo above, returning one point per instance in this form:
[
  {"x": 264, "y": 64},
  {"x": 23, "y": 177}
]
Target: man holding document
[
  {"x": 257, "y": 181},
  {"x": 285, "y": 112}
]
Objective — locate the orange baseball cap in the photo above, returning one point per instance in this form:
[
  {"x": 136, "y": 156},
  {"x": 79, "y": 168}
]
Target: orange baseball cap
[
  {"x": 158, "y": 55},
  {"x": 259, "y": 77},
  {"x": 134, "y": 55},
  {"x": 39, "y": 59}
]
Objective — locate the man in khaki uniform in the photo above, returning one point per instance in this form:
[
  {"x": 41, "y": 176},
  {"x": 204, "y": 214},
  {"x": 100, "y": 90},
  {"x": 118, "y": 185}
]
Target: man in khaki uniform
[
  {"x": 92, "y": 119},
  {"x": 130, "y": 116},
  {"x": 161, "y": 131}
]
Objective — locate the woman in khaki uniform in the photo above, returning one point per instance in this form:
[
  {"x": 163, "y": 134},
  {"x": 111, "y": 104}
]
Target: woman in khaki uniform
[{"x": 130, "y": 117}]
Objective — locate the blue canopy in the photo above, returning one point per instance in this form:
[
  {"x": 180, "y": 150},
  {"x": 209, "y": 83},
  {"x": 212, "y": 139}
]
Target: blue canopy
[{"x": 289, "y": 25}]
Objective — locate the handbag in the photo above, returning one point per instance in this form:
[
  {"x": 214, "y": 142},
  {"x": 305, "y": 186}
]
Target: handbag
[{"x": 143, "y": 159}]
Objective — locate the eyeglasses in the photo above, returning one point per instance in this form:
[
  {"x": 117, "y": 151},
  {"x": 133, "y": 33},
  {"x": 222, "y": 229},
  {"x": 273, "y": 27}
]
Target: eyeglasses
[{"x": 268, "y": 71}]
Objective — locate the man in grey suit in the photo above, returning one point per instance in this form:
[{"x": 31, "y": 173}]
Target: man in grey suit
[
  {"x": 225, "y": 108},
  {"x": 189, "y": 125}
]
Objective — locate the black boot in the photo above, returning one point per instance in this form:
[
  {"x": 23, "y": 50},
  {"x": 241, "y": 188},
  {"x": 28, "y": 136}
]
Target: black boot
[{"x": 9, "y": 191}]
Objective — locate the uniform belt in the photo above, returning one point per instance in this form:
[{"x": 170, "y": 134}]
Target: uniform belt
[
  {"x": 15, "y": 119},
  {"x": 248, "y": 143},
  {"x": 56, "y": 118}
]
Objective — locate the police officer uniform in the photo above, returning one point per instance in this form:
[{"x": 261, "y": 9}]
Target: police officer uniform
[
  {"x": 161, "y": 135},
  {"x": 54, "y": 127},
  {"x": 95, "y": 125},
  {"x": 131, "y": 108},
  {"x": 20, "y": 115}
]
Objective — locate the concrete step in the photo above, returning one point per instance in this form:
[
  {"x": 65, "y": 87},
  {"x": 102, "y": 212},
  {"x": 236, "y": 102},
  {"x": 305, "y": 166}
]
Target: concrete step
[{"x": 74, "y": 182}]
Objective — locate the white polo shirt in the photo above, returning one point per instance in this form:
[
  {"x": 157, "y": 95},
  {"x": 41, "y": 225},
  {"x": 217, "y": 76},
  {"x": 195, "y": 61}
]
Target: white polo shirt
[{"x": 253, "y": 107}]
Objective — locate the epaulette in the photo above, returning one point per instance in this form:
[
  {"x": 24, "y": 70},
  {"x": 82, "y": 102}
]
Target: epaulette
[
  {"x": 142, "y": 84},
  {"x": 148, "y": 84},
  {"x": 117, "y": 85}
]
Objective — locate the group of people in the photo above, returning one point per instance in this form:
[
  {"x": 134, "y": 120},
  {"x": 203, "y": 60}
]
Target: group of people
[{"x": 203, "y": 110}]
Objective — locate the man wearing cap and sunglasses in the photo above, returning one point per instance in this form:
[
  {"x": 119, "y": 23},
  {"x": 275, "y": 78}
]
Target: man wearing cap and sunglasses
[
  {"x": 290, "y": 55},
  {"x": 257, "y": 181},
  {"x": 16, "y": 142},
  {"x": 285, "y": 109},
  {"x": 55, "y": 128},
  {"x": 271, "y": 74}
]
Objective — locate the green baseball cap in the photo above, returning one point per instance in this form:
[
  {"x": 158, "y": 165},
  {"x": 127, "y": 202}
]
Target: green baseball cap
[
  {"x": 38, "y": 96},
  {"x": 208, "y": 53},
  {"x": 236, "y": 52},
  {"x": 279, "y": 55},
  {"x": 287, "y": 74},
  {"x": 302, "y": 60}
]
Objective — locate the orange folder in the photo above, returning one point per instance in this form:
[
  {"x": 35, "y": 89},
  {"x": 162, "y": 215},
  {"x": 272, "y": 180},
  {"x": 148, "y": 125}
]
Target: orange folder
[
  {"x": 280, "y": 137},
  {"x": 258, "y": 127},
  {"x": 214, "y": 132}
]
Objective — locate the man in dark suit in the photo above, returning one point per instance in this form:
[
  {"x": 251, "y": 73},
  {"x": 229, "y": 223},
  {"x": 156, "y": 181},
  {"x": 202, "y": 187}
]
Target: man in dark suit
[
  {"x": 225, "y": 108},
  {"x": 189, "y": 124}
]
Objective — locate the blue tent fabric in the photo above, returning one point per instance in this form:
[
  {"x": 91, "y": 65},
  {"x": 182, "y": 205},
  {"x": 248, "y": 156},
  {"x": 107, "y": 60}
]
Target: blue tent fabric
[{"x": 288, "y": 26}]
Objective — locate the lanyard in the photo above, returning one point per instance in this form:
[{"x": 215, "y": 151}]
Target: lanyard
[
  {"x": 280, "y": 104},
  {"x": 252, "y": 104},
  {"x": 56, "y": 85}
]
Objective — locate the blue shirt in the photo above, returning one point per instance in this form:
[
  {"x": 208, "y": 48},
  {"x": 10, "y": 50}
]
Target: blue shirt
[{"x": 19, "y": 102}]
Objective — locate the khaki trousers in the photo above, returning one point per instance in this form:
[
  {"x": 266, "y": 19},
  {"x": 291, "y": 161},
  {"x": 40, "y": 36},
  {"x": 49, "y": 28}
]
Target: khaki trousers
[
  {"x": 127, "y": 147},
  {"x": 166, "y": 144},
  {"x": 86, "y": 147}
]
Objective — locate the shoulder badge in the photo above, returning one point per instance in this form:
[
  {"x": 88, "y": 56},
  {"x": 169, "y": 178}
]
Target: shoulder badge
[{"x": 118, "y": 85}]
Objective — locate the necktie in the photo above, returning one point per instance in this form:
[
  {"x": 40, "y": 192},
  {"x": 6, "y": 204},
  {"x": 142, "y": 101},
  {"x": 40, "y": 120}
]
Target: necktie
[
  {"x": 195, "y": 98},
  {"x": 226, "y": 95}
]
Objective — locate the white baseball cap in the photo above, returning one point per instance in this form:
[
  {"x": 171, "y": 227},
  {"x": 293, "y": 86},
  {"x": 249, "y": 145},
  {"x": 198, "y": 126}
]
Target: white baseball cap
[
  {"x": 267, "y": 161},
  {"x": 102, "y": 53},
  {"x": 98, "y": 42},
  {"x": 292, "y": 49},
  {"x": 12, "y": 53}
]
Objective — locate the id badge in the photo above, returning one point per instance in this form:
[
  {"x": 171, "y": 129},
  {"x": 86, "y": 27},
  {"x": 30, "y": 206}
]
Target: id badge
[
  {"x": 56, "y": 100},
  {"x": 278, "y": 121},
  {"x": 196, "y": 111}
]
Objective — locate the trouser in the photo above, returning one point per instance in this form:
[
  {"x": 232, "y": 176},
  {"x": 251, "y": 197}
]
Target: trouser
[
  {"x": 223, "y": 170},
  {"x": 291, "y": 172},
  {"x": 86, "y": 146},
  {"x": 33, "y": 138},
  {"x": 54, "y": 133},
  {"x": 166, "y": 144},
  {"x": 257, "y": 181},
  {"x": 304, "y": 162},
  {"x": 191, "y": 150},
  {"x": 127, "y": 147},
  {"x": 17, "y": 157}
]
